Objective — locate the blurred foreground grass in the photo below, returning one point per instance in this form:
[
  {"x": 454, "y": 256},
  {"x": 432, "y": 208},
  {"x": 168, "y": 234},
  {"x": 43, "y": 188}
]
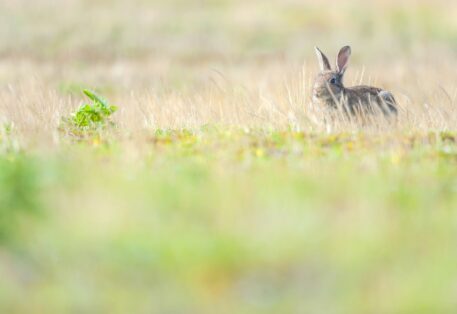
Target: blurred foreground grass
[{"x": 233, "y": 221}]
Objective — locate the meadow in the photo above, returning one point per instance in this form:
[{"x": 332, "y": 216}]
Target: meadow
[{"x": 215, "y": 185}]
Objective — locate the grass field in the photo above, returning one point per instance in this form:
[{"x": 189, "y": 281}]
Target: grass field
[{"x": 216, "y": 186}]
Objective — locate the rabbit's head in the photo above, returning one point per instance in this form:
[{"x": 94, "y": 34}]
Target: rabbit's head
[{"x": 328, "y": 85}]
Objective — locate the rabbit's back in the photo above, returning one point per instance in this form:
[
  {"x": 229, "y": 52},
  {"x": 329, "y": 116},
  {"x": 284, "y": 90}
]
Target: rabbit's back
[{"x": 369, "y": 99}]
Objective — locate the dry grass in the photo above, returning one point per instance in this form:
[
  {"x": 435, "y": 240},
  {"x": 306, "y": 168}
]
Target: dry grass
[
  {"x": 271, "y": 97},
  {"x": 229, "y": 62},
  {"x": 183, "y": 64}
]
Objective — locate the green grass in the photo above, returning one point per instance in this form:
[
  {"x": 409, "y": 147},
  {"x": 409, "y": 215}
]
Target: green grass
[{"x": 238, "y": 221}]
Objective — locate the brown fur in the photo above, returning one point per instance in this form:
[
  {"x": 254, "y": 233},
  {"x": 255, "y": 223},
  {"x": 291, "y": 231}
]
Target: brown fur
[{"x": 329, "y": 90}]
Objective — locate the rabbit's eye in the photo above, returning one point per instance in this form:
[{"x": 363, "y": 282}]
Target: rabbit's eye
[{"x": 332, "y": 80}]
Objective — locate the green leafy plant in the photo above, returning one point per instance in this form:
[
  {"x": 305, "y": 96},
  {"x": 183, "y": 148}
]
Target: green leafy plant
[
  {"x": 95, "y": 114},
  {"x": 90, "y": 118}
]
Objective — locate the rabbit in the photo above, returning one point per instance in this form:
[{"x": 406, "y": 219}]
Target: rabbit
[{"x": 329, "y": 91}]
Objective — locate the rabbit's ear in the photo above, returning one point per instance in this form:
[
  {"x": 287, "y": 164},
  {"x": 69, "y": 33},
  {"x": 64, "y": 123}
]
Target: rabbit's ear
[
  {"x": 342, "y": 60},
  {"x": 323, "y": 61}
]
